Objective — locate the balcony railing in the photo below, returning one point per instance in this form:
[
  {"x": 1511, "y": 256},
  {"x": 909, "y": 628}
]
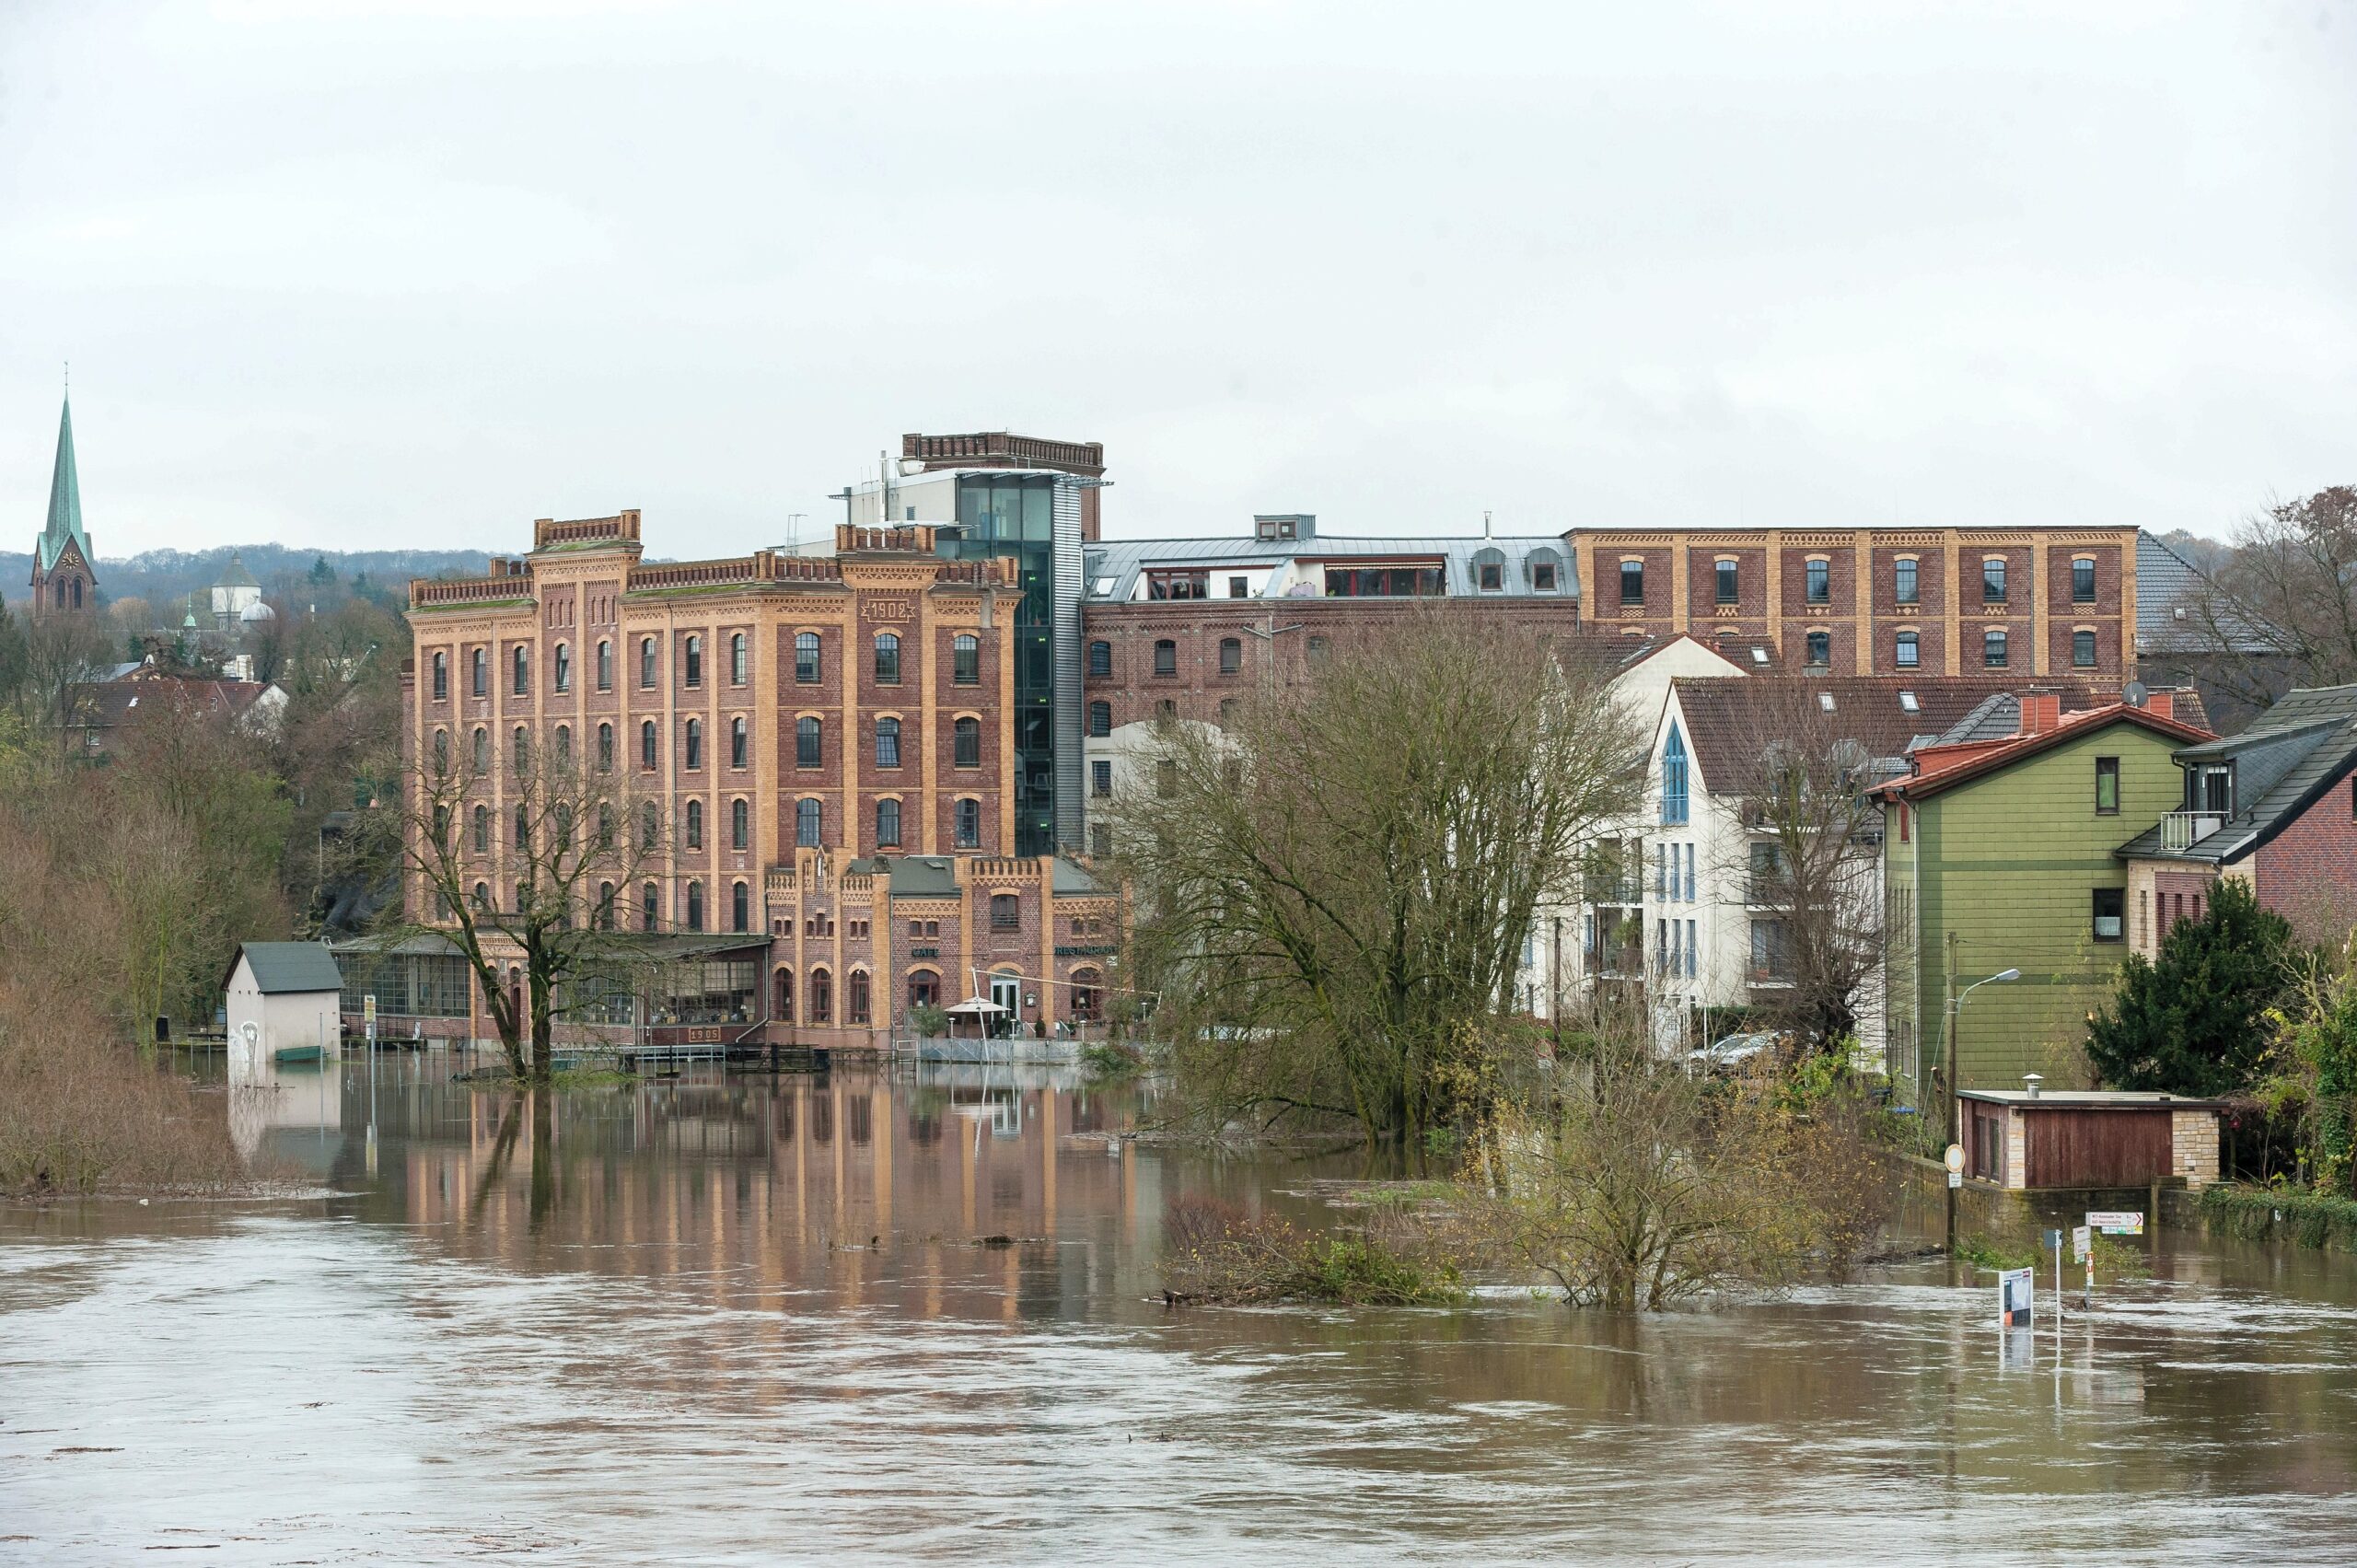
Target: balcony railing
[{"x": 2183, "y": 830}]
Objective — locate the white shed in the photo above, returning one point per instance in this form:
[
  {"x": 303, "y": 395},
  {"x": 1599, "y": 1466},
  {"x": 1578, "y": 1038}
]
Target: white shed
[{"x": 284, "y": 1000}]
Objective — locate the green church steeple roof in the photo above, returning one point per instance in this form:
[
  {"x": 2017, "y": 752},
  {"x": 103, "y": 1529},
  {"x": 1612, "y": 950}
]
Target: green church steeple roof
[{"x": 65, "y": 499}]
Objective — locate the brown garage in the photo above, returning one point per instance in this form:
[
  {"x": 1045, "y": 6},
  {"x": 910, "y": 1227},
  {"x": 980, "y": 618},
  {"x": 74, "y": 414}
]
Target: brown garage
[{"x": 2029, "y": 1139}]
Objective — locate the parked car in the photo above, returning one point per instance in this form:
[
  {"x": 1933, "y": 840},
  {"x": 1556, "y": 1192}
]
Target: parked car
[{"x": 1734, "y": 1051}]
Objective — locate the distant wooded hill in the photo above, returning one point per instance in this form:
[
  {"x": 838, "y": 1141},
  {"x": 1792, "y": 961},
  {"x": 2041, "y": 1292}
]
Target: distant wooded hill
[{"x": 281, "y": 570}]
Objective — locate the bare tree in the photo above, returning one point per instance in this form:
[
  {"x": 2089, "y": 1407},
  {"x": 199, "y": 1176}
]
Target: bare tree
[
  {"x": 2281, "y": 607},
  {"x": 1807, "y": 852},
  {"x": 1334, "y": 891},
  {"x": 61, "y": 654},
  {"x": 526, "y": 862}
]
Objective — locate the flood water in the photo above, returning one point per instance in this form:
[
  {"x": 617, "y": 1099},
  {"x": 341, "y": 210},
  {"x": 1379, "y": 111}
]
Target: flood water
[{"x": 743, "y": 1318}]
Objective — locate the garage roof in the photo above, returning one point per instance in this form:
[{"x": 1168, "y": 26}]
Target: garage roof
[{"x": 283, "y": 967}]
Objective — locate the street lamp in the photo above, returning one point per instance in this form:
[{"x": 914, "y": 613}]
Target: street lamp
[{"x": 1956, "y": 1141}]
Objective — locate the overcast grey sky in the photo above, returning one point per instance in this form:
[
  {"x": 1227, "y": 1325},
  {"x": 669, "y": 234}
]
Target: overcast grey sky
[{"x": 360, "y": 274}]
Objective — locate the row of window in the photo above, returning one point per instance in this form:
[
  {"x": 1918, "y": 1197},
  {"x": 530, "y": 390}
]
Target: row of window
[
  {"x": 809, "y": 826},
  {"x": 810, "y": 735},
  {"x": 1165, "y": 656},
  {"x": 1907, "y": 649},
  {"x": 1817, "y": 581},
  {"x": 809, "y": 664}
]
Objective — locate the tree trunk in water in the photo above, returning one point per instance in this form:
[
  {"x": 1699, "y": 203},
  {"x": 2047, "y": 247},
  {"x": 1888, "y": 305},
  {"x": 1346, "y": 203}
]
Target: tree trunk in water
[{"x": 544, "y": 1155}]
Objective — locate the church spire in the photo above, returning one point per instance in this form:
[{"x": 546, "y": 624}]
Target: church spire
[{"x": 65, "y": 498}]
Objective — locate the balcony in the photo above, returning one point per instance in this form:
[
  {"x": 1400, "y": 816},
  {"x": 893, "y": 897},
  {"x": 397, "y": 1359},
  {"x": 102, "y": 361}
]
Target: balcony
[{"x": 2180, "y": 831}]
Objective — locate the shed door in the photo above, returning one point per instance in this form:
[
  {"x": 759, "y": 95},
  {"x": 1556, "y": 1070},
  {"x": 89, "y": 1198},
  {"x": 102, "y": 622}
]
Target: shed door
[{"x": 2096, "y": 1148}]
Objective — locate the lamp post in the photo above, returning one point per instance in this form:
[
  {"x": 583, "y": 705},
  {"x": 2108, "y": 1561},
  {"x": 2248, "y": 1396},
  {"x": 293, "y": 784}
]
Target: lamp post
[{"x": 1956, "y": 1141}]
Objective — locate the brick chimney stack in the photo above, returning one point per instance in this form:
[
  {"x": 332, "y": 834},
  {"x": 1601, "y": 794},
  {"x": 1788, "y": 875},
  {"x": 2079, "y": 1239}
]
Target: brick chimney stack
[{"x": 2162, "y": 702}]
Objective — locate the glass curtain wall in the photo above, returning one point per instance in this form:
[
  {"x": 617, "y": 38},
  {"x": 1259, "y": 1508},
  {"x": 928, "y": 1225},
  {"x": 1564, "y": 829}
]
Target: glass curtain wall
[{"x": 1012, "y": 517}]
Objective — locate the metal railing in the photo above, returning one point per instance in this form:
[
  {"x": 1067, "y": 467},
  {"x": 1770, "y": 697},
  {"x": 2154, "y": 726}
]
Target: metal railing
[{"x": 2183, "y": 830}]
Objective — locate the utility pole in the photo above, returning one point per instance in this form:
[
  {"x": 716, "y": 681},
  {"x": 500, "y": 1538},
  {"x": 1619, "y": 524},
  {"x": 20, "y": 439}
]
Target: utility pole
[{"x": 1947, "y": 1069}]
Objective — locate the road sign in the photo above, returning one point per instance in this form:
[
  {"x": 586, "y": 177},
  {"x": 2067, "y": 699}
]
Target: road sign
[
  {"x": 368, "y": 1008},
  {"x": 1956, "y": 1156},
  {"x": 2116, "y": 1222},
  {"x": 1955, "y": 1179},
  {"x": 2015, "y": 1289},
  {"x": 2082, "y": 1243}
]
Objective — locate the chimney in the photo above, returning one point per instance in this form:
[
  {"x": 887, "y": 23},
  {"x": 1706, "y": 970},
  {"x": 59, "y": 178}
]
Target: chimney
[
  {"x": 2041, "y": 711},
  {"x": 2030, "y": 1081},
  {"x": 2161, "y": 703}
]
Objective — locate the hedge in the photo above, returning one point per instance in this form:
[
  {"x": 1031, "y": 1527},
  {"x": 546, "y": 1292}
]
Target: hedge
[{"x": 2312, "y": 1219}]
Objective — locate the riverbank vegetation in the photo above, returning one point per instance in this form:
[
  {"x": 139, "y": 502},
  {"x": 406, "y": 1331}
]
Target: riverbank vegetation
[
  {"x": 131, "y": 869},
  {"x": 1220, "y": 1255}
]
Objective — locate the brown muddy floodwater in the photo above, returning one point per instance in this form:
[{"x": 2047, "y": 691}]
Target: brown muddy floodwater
[{"x": 737, "y": 1318}]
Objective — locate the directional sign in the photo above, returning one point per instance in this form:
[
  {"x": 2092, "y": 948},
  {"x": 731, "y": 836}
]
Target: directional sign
[
  {"x": 2082, "y": 1243},
  {"x": 2116, "y": 1222}
]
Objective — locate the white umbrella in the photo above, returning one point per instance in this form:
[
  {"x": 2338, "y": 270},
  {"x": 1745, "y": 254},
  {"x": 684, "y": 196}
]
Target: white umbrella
[{"x": 974, "y": 1006}]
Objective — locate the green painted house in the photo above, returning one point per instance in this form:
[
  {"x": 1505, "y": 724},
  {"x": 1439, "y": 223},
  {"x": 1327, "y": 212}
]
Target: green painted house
[{"x": 2005, "y": 844}]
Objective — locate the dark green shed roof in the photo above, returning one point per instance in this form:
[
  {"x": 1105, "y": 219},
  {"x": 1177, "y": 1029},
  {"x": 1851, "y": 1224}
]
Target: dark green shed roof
[{"x": 283, "y": 967}]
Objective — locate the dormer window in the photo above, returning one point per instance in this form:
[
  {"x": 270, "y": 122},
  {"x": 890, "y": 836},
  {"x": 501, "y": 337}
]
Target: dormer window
[{"x": 2211, "y": 788}]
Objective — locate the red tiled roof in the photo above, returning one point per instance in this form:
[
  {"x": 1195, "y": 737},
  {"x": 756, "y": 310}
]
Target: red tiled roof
[
  {"x": 1981, "y": 760},
  {"x": 1726, "y": 718}
]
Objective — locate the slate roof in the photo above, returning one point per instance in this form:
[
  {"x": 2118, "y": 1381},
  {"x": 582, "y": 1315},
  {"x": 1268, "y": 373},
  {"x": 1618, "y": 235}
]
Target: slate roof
[
  {"x": 1725, "y": 719},
  {"x": 108, "y": 704},
  {"x": 2283, "y": 763},
  {"x": 1122, "y": 560},
  {"x": 284, "y": 967},
  {"x": 2168, "y": 590}
]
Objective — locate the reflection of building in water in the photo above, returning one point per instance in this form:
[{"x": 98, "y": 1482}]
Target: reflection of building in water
[
  {"x": 855, "y": 1186},
  {"x": 293, "y": 1115}
]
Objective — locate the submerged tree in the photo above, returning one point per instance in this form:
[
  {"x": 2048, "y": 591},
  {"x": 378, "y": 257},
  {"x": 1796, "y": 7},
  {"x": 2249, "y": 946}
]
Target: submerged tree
[
  {"x": 2193, "y": 1021},
  {"x": 1642, "y": 1184},
  {"x": 526, "y": 864},
  {"x": 1334, "y": 889}
]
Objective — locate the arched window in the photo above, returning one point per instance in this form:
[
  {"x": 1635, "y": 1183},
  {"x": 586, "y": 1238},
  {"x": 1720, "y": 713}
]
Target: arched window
[
  {"x": 925, "y": 989},
  {"x": 821, "y": 997},
  {"x": 483, "y": 898},
  {"x": 650, "y": 828},
  {"x": 808, "y": 742},
  {"x": 695, "y": 743},
  {"x": 1673, "y": 778},
  {"x": 482, "y": 750},
  {"x": 740, "y": 743},
  {"x": 483, "y": 672},
  {"x": 693, "y": 675},
  {"x": 695, "y": 906},
  {"x": 888, "y": 743},
  {"x": 441, "y": 750},
  {"x": 563, "y": 746},
  {"x": 482, "y": 830},
  {"x": 561, "y": 667},
  {"x": 966, "y": 743},
  {"x": 650, "y": 908},
  {"x": 523, "y": 839},
  {"x": 887, "y": 658},
  {"x": 1100, "y": 658},
  {"x": 969, "y": 824},
  {"x": 806, "y": 666},
  {"x": 1910, "y": 650},
  {"x": 2083, "y": 650},
  {"x": 1230, "y": 654},
  {"x": 605, "y": 665},
  {"x": 523, "y": 681},
  {"x": 441, "y": 677},
  {"x": 646, "y": 744},
  {"x": 605, "y": 749},
  {"x": 1993, "y": 648},
  {"x": 647, "y": 661},
  {"x": 855, "y": 998},
  {"x": 695, "y": 824},
  {"x": 887, "y": 824},
  {"x": 1100, "y": 717},
  {"x": 741, "y": 663},
  {"x": 1086, "y": 1001},
  {"x": 781, "y": 1003},
  {"x": 1820, "y": 648},
  {"x": 1165, "y": 656},
  {"x": 740, "y": 906},
  {"x": 522, "y": 755},
  {"x": 740, "y": 825},
  {"x": 807, "y": 823},
  {"x": 966, "y": 660},
  {"x": 605, "y": 906}
]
